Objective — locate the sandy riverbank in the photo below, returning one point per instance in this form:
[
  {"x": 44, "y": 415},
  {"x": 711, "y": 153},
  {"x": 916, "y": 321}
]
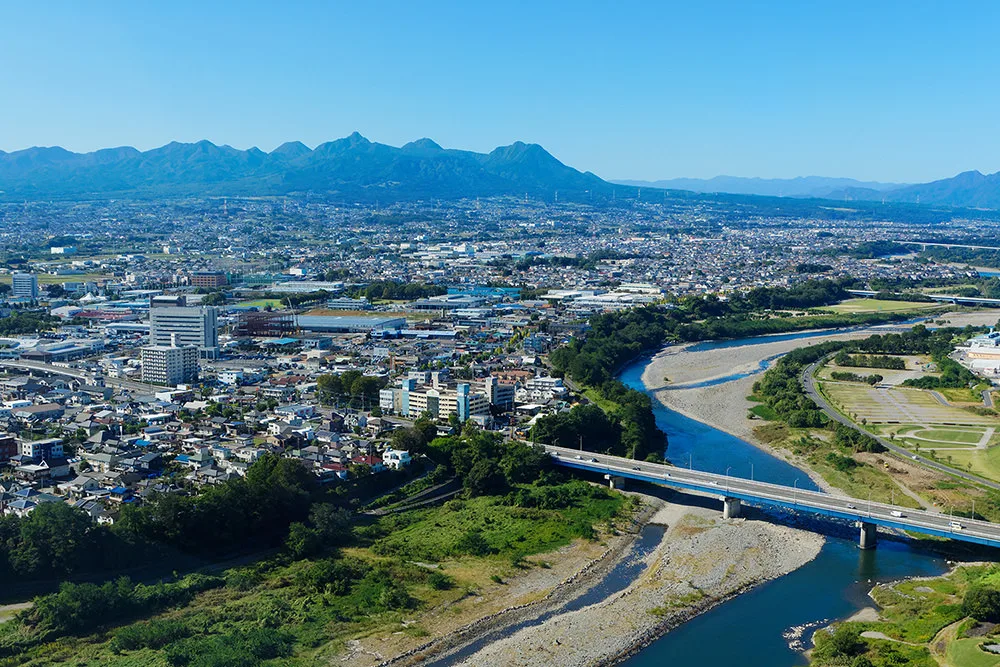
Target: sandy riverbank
[
  {"x": 702, "y": 560},
  {"x": 724, "y": 406}
]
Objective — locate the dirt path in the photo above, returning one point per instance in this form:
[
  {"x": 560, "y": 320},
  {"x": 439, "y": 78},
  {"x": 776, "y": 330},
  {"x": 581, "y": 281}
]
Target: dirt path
[
  {"x": 872, "y": 634},
  {"x": 909, "y": 493},
  {"x": 8, "y": 611},
  {"x": 938, "y": 646}
]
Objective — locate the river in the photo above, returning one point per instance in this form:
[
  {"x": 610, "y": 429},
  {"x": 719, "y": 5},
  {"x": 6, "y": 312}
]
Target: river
[{"x": 772, "y": 624}]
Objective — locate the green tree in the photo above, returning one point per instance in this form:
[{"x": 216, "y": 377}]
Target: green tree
[
  {"x": 302, "y": 541},
  {"x": 485, "y": 478},
  {"x": 982, "y": 603}
]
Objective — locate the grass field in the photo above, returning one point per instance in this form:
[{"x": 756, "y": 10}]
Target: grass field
[
  {"x": 878, "y": 306},
  {"x": 925, "y": 622},
  {"x": 966, "y": 653},
  {"x": 970, "y": 437},
  {"x": 962, "y": 395},
  {"x": 406, "y": 577},
  {"x": 898, "y": 405},
  {"x": 275, "y": 304},
  {"x": 918, "y": 420},
  {"x": 985, "y": 462},
  {"x": 858, "y": 482}
]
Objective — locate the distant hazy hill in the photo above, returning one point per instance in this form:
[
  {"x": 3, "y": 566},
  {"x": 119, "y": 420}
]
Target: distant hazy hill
[
  {"x": 803, "y": 186},
  {"x": 970, "y": 189},
  {"x": 350, "y": 168}
]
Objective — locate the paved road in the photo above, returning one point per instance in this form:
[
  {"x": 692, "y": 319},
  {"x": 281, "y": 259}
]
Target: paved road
[
  {"x": 78, "y": 374},
  {"x": 809, "y": 383},
  {"x": 815, "y": 502}
]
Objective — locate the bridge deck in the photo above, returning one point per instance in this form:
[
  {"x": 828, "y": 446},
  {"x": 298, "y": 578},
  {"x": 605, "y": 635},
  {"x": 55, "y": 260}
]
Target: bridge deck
[{"x": 814, "y": 502}]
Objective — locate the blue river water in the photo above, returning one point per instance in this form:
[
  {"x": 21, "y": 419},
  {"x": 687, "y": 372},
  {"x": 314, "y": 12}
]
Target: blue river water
[{"x": 772, "y": 624}]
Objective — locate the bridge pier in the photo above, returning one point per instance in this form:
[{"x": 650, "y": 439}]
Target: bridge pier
[
  {"x": 615, "y": 482},
  {"x": 730, "y": 508},
  {"x": 869, "y": 535}
]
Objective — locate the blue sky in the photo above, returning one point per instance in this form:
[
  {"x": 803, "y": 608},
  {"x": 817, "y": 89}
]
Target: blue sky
[{"x": 906, "y": 91}]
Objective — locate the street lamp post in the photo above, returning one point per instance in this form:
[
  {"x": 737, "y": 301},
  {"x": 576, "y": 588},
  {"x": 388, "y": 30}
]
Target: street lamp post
[
  {"x": 727, "y": 478},
  {"x": 795, "y": 492},
  {"x": 751, "y": 470},
  {"x": 690, "y": 464},
  {"x": 869, "y": 503}
]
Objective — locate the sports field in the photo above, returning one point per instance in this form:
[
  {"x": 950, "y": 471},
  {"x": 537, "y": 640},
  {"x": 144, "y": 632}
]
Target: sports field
[
  {"x": 275, "y": 304},
  {"x": 878, "y": 306},
  {"x": 898, "y": 405},
  {"x": 925, "y": 422}
]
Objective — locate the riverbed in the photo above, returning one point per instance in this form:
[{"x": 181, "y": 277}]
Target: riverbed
[
  {"x": 771, "y": 625},
  {"x": 767, "y": 617}
]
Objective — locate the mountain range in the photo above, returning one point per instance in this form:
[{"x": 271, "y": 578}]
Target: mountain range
[
  {"x": 356, "y": 169},
  {"x": 803, "y": 186},
  {"x": 970, "y": 189},
  {"x": 352, "y": 168}
]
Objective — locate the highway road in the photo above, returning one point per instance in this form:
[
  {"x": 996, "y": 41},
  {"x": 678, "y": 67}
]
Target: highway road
[
  {"x": 809, "y": 383},
  {"x": 814, "y": 502},
  {"x": 40, "y": 367}
]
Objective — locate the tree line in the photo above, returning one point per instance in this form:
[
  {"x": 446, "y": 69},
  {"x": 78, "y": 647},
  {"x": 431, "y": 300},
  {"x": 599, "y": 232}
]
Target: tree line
[
  {"x": 392, "y": 290},
  {"x": 781, "y": 387},
  {"x": 870, "y": 361},
  {"x": 841, "y": 376}
]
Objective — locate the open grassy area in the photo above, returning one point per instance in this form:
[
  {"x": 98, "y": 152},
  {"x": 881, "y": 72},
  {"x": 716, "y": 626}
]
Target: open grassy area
[
  {"x": 275, "y": 304},
  {"x": 962, "y": 435},
  {"x": 984, "y": 462},
  {"x": 966, "y": 653},
  {"x": 923, "y": 620},
  {"x": 403, "y": 578},
  {"x": 765, "y": 412},
  {"x": 816, "y": 447},
  {"x": 898, "y": 405},
  {"x": 962, "y": 395},
  {"x": 878, "y": 306}
]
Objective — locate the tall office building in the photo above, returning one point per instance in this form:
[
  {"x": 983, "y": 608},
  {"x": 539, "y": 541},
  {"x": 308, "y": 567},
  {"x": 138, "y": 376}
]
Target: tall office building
[
  {"x": 169, "y": 365},
  {"x": 196, "y": 325},
  {"x": 25, "y": 286}
]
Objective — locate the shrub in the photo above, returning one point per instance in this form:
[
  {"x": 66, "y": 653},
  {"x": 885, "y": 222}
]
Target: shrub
[
  {"x": 245, "y": 648},
  {"x": 440, "y": 581},
  {"x": 154, "y": 634}
]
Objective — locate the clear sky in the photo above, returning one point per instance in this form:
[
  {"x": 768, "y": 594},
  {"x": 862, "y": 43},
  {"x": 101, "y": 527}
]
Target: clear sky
[{"x": 892, "y": 91}]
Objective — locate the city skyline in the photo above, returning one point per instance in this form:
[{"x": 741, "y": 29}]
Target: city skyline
[{"x": 897, "y": 92}]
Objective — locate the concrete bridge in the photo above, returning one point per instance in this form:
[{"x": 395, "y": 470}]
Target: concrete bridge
[
  {"x": 940, "y": 298},
  {"x": 733, "y": 490},
  {"x": 928, "y": 244}
]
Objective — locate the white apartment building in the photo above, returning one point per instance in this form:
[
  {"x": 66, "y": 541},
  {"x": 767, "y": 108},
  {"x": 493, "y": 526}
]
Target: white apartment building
[
  {"x": 441, "y": 401},
  {"x": 24, "y": 286},
  {"x": 169, "y": 365}
]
